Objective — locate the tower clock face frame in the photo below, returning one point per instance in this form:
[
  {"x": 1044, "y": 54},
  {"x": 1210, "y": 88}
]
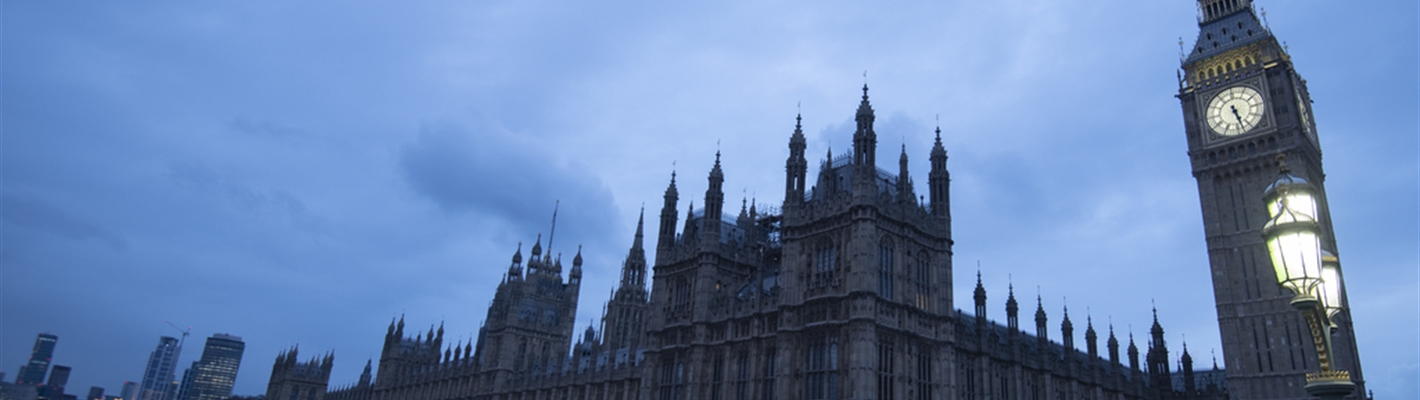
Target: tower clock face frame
[{"x": 1235, "y": 111}]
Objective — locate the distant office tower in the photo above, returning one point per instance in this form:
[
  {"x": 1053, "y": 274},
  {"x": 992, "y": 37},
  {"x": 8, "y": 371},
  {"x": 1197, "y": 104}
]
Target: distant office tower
[
  {"x": 129, "y": 389},
  {"x": 33, "y": 372},
  {"x": 60, "y": 377},
  {"x": 54, "y": 390},
  {"x": 186, "y": 383},
  {"x": 212, "y": 376},
  {"x": 158, "y": 375},
  {"x": 95, "y": 393}
]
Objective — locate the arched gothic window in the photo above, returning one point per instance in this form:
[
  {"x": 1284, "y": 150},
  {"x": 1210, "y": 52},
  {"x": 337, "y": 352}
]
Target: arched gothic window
[{"x": 885, "y": 269}]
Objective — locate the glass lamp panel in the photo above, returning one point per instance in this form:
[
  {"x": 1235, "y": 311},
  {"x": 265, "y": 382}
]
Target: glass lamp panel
[
  {"x": 1298, "y": 202},
  {"x": 1295, "y": 259},
  {"x": 1302, "y": 202},
  {"x": 1331, "y": 287}
]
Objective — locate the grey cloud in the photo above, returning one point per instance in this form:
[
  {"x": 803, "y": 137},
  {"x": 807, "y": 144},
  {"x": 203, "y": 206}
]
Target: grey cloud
[
  {"x": 35, "y": 213},
  {"x": 275, "y": 204},
  {"x": 500, "y": 175}
]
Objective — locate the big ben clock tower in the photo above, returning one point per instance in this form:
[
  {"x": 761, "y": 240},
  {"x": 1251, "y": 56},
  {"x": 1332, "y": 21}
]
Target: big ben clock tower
[{"x": 1244, "y": 104}]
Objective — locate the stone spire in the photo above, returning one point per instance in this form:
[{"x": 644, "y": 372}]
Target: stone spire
[
  {"x": 575, "y": 275},
  {"x": 865, "y": 141},
  {"x": 633, "y": 270},
  {"x": 714, "y": 205},
  {"x": 516, "y": 269},
  {"x": 1040, "y": 319},
  {"x": 1157, "y": 331},
  {"x": 939, "y": 180},
  {"x": 536, "y": 260},
  {"x": 980, "y": 299},
  {"x": 1158, "y": 356},
  {"x": 666, "y": 236},
  {"x": 1090, "y": 346},
  {"x": 1012, "y": 309},
  {"x": 689, "y": 221},
  {"x": 904, "y": 181},
  {"x": 1133, "y": 353},
  {"x": 1188, "y": 383},
  {"x": 826, "y": 183},
  {"x": 1067, "y": 332},
  {"x": 979, "y": 296},
  {"x": 399, "y": 330},
  {"x": 1113, "y": 345},
  {"x": 796, "y": 167},
  {"x": 365, "y": 376}
]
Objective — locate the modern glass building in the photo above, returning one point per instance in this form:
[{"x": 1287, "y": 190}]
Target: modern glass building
[
  {"x": 212, "y": 376},
  {"x": 158, "y": 375}
]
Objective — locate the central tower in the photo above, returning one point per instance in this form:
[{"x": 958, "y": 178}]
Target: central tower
[
  {"x": 1244, "y": 104},
  {"x": 843, "y": 292}
]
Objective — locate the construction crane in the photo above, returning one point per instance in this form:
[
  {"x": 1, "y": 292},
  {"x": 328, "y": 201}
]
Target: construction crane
[{"x": 184, "y": 332}]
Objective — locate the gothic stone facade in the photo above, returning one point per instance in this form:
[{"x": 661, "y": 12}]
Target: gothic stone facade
[
  {"x": 1244, "y": 104},
  {"x": 295, "y": 380},
  {"x": 843, "y": 292}
]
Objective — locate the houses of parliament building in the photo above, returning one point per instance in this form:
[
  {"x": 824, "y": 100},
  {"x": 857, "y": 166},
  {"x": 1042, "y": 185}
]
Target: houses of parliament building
[{"x": 843, "y": 292}]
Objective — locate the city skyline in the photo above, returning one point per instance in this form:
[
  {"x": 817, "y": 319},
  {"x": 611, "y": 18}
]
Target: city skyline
[{"x": 301, "y": 184}]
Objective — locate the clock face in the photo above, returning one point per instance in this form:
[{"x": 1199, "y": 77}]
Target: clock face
[{"x": 1235, "y": 111}]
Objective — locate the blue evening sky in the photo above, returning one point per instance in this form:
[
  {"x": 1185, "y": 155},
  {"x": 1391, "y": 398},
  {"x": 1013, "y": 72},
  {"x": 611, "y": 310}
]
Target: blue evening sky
[{"x": 302, "y": 172}]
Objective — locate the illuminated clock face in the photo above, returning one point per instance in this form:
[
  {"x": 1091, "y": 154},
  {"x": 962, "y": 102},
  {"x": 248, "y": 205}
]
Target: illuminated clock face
[{"x": 1235, "y": 111}]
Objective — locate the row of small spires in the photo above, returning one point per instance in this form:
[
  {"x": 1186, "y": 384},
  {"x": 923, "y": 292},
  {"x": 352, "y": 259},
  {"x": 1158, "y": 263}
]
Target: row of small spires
[
  {"x": 397, "y": 330},
  {"x": 458, "y": 352},
  {"x": 454, "y": 352},
  {"x": 547, "y": 259},
  {"x": 542, "y": 263},
  {"x": 289, "y": 357},
  {"x": 864, "y": 145},
  {"x": 1067, "y": 328}
]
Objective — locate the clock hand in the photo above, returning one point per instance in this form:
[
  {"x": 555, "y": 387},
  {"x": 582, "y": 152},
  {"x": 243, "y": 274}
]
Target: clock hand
[{"x": 1236, "y": 115}]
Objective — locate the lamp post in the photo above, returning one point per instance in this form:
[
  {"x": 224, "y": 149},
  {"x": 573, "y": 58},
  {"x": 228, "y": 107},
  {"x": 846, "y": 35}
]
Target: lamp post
[{"x": 1314, "y": 275}]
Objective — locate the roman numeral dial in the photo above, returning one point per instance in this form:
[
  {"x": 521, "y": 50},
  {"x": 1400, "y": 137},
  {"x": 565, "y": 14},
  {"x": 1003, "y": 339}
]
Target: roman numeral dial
[{"x": 1234, "y": 111}]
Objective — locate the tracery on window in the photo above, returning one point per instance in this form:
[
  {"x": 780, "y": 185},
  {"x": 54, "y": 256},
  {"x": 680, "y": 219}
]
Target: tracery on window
[
  {"x": 923, "y": 282},
  {"x": 885, "y": 269},
  {"x": 822, "y": 357},
  {"x": 824, "y": 265}
]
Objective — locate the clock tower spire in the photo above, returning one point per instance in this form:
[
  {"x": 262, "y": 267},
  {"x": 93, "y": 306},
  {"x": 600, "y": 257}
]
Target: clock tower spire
[{"x": 1243, "y": 104}]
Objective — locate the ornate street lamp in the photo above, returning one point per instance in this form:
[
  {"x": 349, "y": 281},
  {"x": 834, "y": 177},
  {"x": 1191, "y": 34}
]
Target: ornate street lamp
[{"x": 1294, "y": 242}]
